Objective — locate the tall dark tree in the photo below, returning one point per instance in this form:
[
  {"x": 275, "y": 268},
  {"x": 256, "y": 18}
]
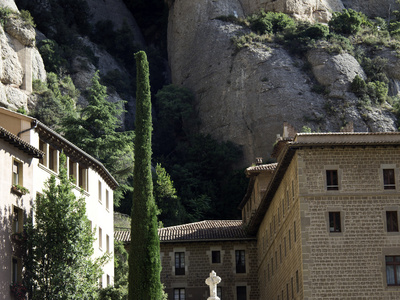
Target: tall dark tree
[{"x": 144, "y": 255}]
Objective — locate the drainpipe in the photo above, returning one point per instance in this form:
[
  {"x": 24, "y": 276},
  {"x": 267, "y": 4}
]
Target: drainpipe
[{"x": 34, "y": 125}]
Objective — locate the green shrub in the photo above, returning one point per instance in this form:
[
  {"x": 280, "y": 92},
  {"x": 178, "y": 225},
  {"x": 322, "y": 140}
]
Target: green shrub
[
  {"x": 378, "y": 91},
  {"x": 316, "y": 31},
  {"x": 339, "y": 44},
  {"x": 347, "y": 21},
  {"x": 5, "y": 13},
  {"x": 358, "y": 86},
  {"x": 27, "y": 17},
  {"x": 270, "y": 22}
]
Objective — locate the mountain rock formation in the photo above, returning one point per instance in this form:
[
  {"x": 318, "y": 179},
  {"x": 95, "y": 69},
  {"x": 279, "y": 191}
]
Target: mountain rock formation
[{"x": 245, "y": 95}]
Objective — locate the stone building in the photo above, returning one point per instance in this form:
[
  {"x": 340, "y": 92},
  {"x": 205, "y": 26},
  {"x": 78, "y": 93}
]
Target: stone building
[
  {"x": 190, "y": 252},
  {"x": 29, "y": 154},
  {"x": 327, "y": 223}
]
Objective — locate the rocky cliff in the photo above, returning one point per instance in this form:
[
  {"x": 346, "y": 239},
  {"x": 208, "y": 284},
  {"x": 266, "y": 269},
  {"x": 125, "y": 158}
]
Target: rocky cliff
[{"x": 245, "y": 95}]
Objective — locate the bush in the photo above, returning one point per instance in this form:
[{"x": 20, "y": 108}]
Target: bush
[
  {"x": 358, "y": 86},
  {"x": 270, "y": 22},
  {"x": 347, "y": 22},
  {"x": 27, "y": 17}
]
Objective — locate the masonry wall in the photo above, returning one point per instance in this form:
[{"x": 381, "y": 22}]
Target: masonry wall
[
  {"x": 9, "y": 248},
  {"x": 349, "y": 264},
  {"x": 279, "y": 243},
  {"x": 198, "y": 265}
]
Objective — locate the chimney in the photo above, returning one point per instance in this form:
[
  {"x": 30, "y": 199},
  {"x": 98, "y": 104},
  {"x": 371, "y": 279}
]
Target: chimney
[{"x": 259, "y": 161}]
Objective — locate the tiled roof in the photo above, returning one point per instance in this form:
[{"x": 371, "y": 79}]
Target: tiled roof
[
  {"x": 20, "y": 144},
  {"x": 198, "y": 231}
]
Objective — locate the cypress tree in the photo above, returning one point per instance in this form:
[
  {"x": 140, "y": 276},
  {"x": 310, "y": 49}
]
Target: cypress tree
[{"x": 144, "y": 255}]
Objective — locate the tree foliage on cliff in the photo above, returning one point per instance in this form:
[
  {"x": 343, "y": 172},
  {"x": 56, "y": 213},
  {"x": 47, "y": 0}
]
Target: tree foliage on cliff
[
  {"x": 144, "y": 255},
  {"x": 59, "y": 263},
  {"x": 95, "y": 128}
]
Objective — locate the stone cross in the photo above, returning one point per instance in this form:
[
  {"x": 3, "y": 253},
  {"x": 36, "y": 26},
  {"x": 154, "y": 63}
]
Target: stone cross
[{"x": 212, "y": 282}]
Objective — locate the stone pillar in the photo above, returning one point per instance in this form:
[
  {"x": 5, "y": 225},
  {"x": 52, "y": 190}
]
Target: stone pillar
[{"x": 212, "y": 282}]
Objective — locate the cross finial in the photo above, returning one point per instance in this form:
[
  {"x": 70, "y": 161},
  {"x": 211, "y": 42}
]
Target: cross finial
[{"x": 212, "y": 282}]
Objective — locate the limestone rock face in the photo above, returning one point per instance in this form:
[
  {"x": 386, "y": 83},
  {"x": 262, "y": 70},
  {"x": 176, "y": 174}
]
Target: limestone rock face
[
  {"x": 18, "y": 30},
  {"x": 336, "y": 72},
  {"x": 372, "y": 8},
  {"x": 312, "y": 10},
  {"x": 9, "y": 3},
  {"x": 245, "y": 95}
]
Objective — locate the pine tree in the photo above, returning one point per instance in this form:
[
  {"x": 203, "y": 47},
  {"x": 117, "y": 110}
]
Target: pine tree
[
  {"x": 59, "y": 263},
  {"x": 144, "y": 255}
]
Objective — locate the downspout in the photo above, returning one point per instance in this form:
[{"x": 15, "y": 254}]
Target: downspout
[{"x": 34, "y": 123}]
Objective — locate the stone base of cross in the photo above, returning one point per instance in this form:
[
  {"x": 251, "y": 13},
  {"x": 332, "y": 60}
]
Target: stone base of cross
[{"x": 212, "y": 282}]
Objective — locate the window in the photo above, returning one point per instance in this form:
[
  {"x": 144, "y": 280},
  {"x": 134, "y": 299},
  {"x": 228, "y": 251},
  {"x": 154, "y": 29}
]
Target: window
[
  {"x": 287, "y": 199},
  {"x": 219, "y": 292},
  {"x": 283, "y": 208},
  {"x": 100, "y": 238},
  {"x": 17, "y": 222},
  {"x": 179, "y": 263},
  {"x": 332, "y": 180},
  {"x": 216, "y": 257},
  {"x": 266, "y": 238},
  {"x": 241, "y": 293},
  {"x": 107, "y": 243},
  {"x": 290, "y": 241},
  {"x": 294, "y": 231},
  {"x": 287, "y": 291},
  {"x": 52, "y": 159},
  {"x": 99, "y": 191},
  {"x": 280, "y": 253},
  {"x": 272, "y": 266},
  {"x": 107, "y": 200},
  {"x": 334, "y": 222},
  {"x": 108, "y": 280},
  {"x": 269, "y": 275},
  {"x": 297, "y": 282},
  {"x": 388, "y": 179},
  {"x": 393, "y": 270},
  {"x": 83, "y": 177},
  {"x": 16, "y": 270},
  {"x": 391, "y": 221},
  {"x": 291, "y": 282},
  {"x": 284, "y": 243},
  {"x": 276, "y": 260},
  {"x": 17, "y": 172},
  {"x": 240, "y": 261},
  {"x": 42, "y": 147},
  {"x": 179, "y": 294},
  {"x": 72, "y": 170},
  {"x": 101, "y": 281}
]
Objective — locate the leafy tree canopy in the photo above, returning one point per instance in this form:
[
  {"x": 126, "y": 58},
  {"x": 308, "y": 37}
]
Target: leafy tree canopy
[
  {"x": 96, "y": 130},
  {"x": 59, "y": 263}
]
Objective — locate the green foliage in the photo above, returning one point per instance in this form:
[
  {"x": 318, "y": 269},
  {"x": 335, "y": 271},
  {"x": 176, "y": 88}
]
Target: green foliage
[
  {"x": 96, "y": 130},
  {"x": 53, "y": 56},
  {"x": 21, "y": 110},
  {"x": 5, "y": 13},
  {"x": 121, "y": 268},
  {"x": 347, "y": 21},
  {"x": 59, "y": 263},
  {"x": 174, "y": 107},
  {"x": 170, "y": 207},
  {"x": 27, "y": 17},
  {"x": 305, "y": 129},
  {"x": 144, "y": 255},
  {"x": 300, "y": 38},
  {"x": 56, "y": 99},
  {"x": 375, "y": 91},
  {"x": 270, "y": 22}
]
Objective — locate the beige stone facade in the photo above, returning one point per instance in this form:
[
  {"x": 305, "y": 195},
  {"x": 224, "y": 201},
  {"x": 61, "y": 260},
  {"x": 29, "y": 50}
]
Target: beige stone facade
[
  {"x": 324, "y": 236},
  {"x": 29, "y": 155}
]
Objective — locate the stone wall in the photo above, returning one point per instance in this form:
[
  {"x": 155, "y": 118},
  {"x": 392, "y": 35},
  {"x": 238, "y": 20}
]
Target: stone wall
[
  {"x": 279, "y": 243},
  {"x": 349, "y": 264},
  {"x": 198, "y": 267}
]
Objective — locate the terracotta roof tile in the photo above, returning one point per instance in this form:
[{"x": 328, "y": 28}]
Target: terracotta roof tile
[
  {"x": 19, "y": 143},
  {"x": 198, "y": 231}
]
